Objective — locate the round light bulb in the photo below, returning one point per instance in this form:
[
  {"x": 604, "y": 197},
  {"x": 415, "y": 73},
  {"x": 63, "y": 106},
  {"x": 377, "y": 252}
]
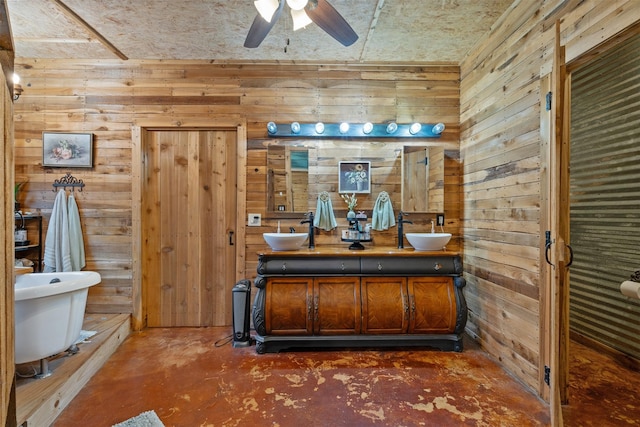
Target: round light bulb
[
  {"x": 415, "y": 128},
  {"x": 344, "y": 127},
  {"x": 392, "y": 127},
  {"x": 295, "y": 127},
  {"x": 272, "y": 127},
  {"x": 438, "y": 129},
  {"x": 367, "y": 128},
  {"x": 319, "y": 127}
]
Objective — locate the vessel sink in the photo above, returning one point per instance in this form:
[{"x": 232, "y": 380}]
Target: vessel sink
[
  {"x": 428, "y": 241},
  {"x": 285, "y": 241}
]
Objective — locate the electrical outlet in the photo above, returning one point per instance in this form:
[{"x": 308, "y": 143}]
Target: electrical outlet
[
  {"x": 255, "y": 220},
  {"x": 440, "y": 219}
]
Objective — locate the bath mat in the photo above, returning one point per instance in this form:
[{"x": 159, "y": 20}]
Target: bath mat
[
  {"x": 85, "y": 335},
  {"x": 145, "y": 419}
]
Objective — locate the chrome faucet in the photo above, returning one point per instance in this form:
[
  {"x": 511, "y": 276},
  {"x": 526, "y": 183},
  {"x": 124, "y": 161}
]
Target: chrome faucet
[
  {"x": 401, "y": 221},
  {"x": 309, "y": 220}
]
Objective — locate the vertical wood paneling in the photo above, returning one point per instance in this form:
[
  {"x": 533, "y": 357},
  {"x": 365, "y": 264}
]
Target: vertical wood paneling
[
  {"x": 7, "y": 367},
  {"x": 605, "y": 197},
  {"x": 189, "y": 194}
]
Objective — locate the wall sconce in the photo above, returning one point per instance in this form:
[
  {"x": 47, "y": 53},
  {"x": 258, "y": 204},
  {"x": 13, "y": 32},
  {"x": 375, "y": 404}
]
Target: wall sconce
[
  {"x": 17, "y": 88},
  {"x": 355, "y": 130}
]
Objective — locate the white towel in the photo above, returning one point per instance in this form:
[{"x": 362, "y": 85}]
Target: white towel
[
  {"x": 325, "y": 218},
  {"x": 57, "y": 255},
  {"x": 76, "y": 242},
  {"x": 383, "y": 216}
]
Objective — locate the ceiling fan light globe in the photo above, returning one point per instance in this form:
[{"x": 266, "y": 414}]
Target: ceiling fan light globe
[
  {"x": 297, "y": 4},
  {"x": 300, "y": 19},
  {"x": 266, "y": 8}
]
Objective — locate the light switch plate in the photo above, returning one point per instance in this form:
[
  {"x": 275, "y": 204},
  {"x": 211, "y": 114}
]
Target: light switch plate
[{"x": 255, "y": 220}]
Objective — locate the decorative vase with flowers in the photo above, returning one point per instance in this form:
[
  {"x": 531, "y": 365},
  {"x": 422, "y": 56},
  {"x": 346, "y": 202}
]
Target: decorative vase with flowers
[{"x": 351, "y": 202}]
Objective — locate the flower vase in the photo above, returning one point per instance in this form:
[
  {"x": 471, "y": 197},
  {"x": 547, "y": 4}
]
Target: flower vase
[{"x": 351, "y": 214}]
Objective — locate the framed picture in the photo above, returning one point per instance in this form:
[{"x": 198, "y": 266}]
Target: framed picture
[
  {"x": 354, "y": 177},
  {"x": 67, "y": 150}
]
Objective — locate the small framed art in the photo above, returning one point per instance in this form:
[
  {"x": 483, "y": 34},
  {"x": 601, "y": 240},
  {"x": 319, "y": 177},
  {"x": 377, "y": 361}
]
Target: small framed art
[
  {"x": 67, "y": 150},
  {"x": 354, "y": 177}
]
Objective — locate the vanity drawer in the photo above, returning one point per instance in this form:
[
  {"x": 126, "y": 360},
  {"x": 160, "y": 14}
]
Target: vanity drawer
[
  {"x": 411, "y": 266},
  {"x": 309, "y": 266}
]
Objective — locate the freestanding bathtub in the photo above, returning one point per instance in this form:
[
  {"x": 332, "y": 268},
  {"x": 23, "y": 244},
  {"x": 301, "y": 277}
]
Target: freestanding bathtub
[{"x": 49, "y": 316}]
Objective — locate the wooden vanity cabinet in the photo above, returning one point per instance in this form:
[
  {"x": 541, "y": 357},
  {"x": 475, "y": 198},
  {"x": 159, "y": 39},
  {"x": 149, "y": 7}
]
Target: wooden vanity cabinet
[
  {"x": 414, "y": 305},
  {"x": 306, "y": 302},
  {"x": 306, "y": 306}
]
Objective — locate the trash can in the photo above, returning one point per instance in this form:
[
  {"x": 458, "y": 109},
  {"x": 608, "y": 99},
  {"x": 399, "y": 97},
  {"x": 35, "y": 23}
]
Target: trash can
[{"x": 241, "y": 306}]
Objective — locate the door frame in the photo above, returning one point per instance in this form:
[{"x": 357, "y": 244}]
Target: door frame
[
  {"x": 555, "y": 144},
  {"x": 138, "y": 157}
]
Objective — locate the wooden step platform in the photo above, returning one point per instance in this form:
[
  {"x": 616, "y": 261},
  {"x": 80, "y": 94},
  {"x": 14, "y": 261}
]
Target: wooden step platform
[{"x": 40, "y": 401}]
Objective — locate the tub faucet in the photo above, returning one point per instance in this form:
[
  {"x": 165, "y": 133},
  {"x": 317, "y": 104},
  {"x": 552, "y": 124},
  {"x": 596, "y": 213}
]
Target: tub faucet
[
  {"x": 401, "y": 221},
  {"x": 310, "y": 221}
]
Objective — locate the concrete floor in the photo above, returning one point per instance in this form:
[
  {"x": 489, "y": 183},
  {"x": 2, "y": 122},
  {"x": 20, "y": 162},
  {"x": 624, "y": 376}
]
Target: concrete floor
[
  {"x": 194, "y": 377},
  {"x": 190, "y": 377}
]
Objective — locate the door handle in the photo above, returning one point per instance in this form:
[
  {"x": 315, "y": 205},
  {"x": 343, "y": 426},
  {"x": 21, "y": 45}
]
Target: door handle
[
  {"x": 230, "y": 238},
  {"x": 547, "y": 247},
  {"x": 570, "y": 256}
]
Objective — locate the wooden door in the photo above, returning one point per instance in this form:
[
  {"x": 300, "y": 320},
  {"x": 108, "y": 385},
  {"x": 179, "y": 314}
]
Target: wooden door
[
  {"x": 188, "y": 221},
  {"x": 432, "y": 304},
  {"x": 288, "y": 303},
  {"x": 385, "y": 305},
  {"x": 336, "y": 306}
]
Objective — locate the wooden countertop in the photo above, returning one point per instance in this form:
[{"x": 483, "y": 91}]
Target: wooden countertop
[{"x": 344, "y": 251}]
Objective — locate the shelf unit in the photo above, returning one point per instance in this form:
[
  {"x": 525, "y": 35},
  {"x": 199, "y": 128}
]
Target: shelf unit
[{"x": 32, "y": 251}]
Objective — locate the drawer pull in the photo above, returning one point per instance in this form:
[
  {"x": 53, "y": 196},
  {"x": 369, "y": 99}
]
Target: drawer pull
[
  {"x": 437, "y": 266},
  {"x": 379, "y": 267},
  {"x": 342, "y": 267},
  {"x": 284, "y": 266}
]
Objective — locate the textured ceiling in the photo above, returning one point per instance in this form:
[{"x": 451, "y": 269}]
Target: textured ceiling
[{"x": 394, "y": 31}]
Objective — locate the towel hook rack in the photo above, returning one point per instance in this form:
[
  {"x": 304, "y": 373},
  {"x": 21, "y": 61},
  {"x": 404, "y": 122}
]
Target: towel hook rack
[{"x": 68, "y": 181}]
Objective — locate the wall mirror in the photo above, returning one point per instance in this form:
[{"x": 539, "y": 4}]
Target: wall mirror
[{"x": 299, "y": 170}]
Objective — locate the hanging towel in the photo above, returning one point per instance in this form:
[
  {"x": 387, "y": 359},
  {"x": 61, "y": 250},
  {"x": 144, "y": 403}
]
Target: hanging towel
[
  {"x": 324, "y": 219},
  {"x": 382, "y": 217},
  {"x": 57, "y": 255},
  {"x": 76, "y": 242}
]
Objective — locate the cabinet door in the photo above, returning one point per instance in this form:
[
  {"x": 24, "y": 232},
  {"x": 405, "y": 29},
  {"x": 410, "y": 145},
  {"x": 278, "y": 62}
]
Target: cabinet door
[
  {"x": 385, "y": 307},
  {"x": 432, "y": 305},
  {"x": 336, "y": 305},
  {"x": 288, "y": 306}
]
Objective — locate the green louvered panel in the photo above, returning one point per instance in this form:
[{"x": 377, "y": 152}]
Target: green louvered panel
[{"x": 605, "y": 197}]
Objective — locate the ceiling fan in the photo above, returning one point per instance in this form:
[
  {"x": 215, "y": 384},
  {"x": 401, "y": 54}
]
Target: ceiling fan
[{"x": 303, "y": 13}]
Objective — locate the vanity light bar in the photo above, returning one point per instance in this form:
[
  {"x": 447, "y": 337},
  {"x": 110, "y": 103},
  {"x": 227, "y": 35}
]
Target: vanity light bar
[{"x": 355, "y": 130}]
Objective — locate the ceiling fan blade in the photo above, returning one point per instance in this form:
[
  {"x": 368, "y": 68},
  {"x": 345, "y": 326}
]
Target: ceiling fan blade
[
  {"x": 329, "y": 19},
  {"x": 260, "y": 28}
]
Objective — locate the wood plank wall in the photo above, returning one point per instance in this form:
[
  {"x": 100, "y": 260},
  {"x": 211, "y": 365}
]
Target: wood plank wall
[
  {"x": 107, "y": 97},
  {"x": 7, "y": 366},
  {"x": 501, "y": 155}
]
